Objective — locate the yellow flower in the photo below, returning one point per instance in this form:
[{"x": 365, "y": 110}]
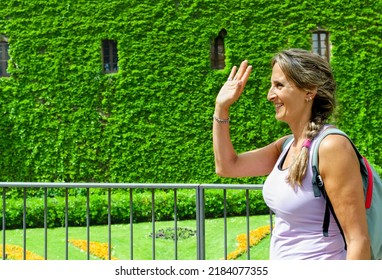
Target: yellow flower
[
  {"x": 100, "y": 250},
  {"x": 255, "y": 236},
  {"x": 14, "y": 252}
]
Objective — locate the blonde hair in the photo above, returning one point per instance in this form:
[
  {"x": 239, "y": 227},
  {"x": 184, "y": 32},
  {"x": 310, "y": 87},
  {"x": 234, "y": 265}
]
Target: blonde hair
[{"x": 308, "y": 71}]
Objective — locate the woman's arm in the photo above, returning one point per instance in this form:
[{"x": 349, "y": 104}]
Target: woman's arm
[
  {"x": 340, "y": 171},
  {"x": 227, "y": 162}
]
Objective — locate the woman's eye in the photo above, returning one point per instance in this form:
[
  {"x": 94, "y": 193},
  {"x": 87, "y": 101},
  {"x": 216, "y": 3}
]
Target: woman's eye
[{"x": 279, "y": 86}]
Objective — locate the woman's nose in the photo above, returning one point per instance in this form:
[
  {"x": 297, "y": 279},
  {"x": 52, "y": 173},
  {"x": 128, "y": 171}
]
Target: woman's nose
[{"x": 271, "y": 94}]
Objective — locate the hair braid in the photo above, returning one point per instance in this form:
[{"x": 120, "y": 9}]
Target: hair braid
[{"x": 297, "y": 170}]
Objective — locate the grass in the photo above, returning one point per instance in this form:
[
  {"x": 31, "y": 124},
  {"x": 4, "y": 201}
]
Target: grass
[{"x": 142, "y": 242}]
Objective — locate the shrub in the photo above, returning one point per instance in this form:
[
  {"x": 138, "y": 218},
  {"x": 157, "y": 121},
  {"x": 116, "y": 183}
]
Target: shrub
[{"x": 120, "y": 207}]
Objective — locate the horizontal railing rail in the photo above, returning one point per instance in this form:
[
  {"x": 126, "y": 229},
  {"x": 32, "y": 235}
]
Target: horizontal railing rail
[{"x": 199, "y": 204}]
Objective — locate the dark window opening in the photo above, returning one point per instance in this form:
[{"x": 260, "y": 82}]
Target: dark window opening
[
  {"x": 110, "y": 56},
  {"x": 218, "y": 51},
  {"x": 4, "y": 58},
  {"x": 320, "y": 43}
]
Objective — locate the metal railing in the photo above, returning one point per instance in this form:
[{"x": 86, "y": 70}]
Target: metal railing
[{"x": 199, "y": 204}]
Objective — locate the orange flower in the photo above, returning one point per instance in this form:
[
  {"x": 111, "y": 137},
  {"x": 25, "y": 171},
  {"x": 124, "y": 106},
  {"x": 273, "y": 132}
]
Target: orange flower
[
  {"x": 100, "y": 250},
  {"x": 14, "y": 252},
  {"x": 255, "y": 236}
]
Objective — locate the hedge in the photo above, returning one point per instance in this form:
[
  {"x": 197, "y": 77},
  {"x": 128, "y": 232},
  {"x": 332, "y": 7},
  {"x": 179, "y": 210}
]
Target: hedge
[{"x": 120, "y": 208}]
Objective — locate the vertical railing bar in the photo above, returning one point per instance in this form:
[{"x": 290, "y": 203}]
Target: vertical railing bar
[
  {"x": 225, "y": 223},
  {"x": 88, "y": 223},
  {"x": 200, "y": 223},
  {"x": 176, "y": 224},
  {"x": 131, "y": 225},
  {"x": 46, "y": 223},
  {"x": 109, "y": 220},
  {"x": 66, "y": 224},
  {"x": 153, "y": 221},
  {"x": 198, "y": 241},
  {"x": 248, "y": 226},
  {"x": 24, "y": 224},
  {"x": 4, "y": 223},
  {"x": 203, "y": 224}
]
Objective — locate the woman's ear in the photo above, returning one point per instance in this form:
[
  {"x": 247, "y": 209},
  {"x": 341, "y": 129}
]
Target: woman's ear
[{"x": 310, "y": 95}]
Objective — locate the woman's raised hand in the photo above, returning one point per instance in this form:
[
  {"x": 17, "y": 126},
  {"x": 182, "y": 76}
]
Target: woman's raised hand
[{"x": 234, "y": 86}]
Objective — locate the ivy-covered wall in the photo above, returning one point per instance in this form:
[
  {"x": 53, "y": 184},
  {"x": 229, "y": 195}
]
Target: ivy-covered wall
[{"x": 62, "y": 119}]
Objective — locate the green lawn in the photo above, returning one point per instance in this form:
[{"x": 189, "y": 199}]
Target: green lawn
[{"x": 164, "y": 249}]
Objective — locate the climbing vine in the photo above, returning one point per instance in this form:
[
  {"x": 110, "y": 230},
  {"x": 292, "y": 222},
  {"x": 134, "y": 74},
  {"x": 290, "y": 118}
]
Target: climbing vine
[{"x": 62, "y": 119}]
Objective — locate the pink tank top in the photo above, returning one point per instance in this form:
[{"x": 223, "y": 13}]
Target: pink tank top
[{"x": 297, "y": 232}]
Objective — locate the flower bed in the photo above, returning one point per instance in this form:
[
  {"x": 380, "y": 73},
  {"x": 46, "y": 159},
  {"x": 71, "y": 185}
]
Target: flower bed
[
  {"x": 254, "y": 238},
  {"x": 100, "y": 250},
  {"x": 15, "y": 252}
]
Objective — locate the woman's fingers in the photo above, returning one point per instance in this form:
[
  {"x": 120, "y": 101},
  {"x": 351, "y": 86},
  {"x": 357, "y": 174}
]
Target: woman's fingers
[
  {"x": 242, "y": 70},
  {"x": 241, "y": 74},
  {"x": 232, "y": 74},
  {"x": 246, "y": 75},
  {"x": 235, "y": 84}
]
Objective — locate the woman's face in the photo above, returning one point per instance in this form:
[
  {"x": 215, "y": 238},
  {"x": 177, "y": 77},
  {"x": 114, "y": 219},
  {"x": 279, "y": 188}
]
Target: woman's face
[{"x": 291, "y": 103}]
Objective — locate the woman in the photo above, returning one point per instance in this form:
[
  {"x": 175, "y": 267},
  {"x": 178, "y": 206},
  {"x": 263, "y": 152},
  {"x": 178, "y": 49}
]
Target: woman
[{"x": 302, "y": 91}]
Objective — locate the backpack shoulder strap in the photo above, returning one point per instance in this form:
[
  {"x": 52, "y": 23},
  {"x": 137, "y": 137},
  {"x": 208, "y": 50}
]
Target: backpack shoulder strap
[
  {"x": 367, "y": 171},
  {"x": 286, "y": 141},
  {"x": 326, "y": 132},
  {"x": 317, "y": 181}
]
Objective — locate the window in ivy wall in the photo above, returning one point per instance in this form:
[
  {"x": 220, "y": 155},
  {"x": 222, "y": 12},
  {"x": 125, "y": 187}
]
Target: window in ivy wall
[
  {"x": 320, "y": 43},
  {"x": 217, "y": 53},
  {"x": 4, "y": 57},
  {"x": 109, "y": 56}
]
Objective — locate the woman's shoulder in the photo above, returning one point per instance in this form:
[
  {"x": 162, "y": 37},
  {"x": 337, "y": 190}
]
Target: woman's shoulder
[
  {"x": 334, "y": 142},
  {"x": 338, "y": 149}
]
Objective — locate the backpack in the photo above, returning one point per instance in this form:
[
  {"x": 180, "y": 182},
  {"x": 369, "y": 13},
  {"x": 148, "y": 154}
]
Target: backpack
[{"x": 372, "y": 185}]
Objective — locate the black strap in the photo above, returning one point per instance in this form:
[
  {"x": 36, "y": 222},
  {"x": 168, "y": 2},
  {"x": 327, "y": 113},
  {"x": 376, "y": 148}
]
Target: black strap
[
  {"x": 318, "y": 189},
  {"x": 318, "y": 184},
  {"x": 328, "y": 208}
]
